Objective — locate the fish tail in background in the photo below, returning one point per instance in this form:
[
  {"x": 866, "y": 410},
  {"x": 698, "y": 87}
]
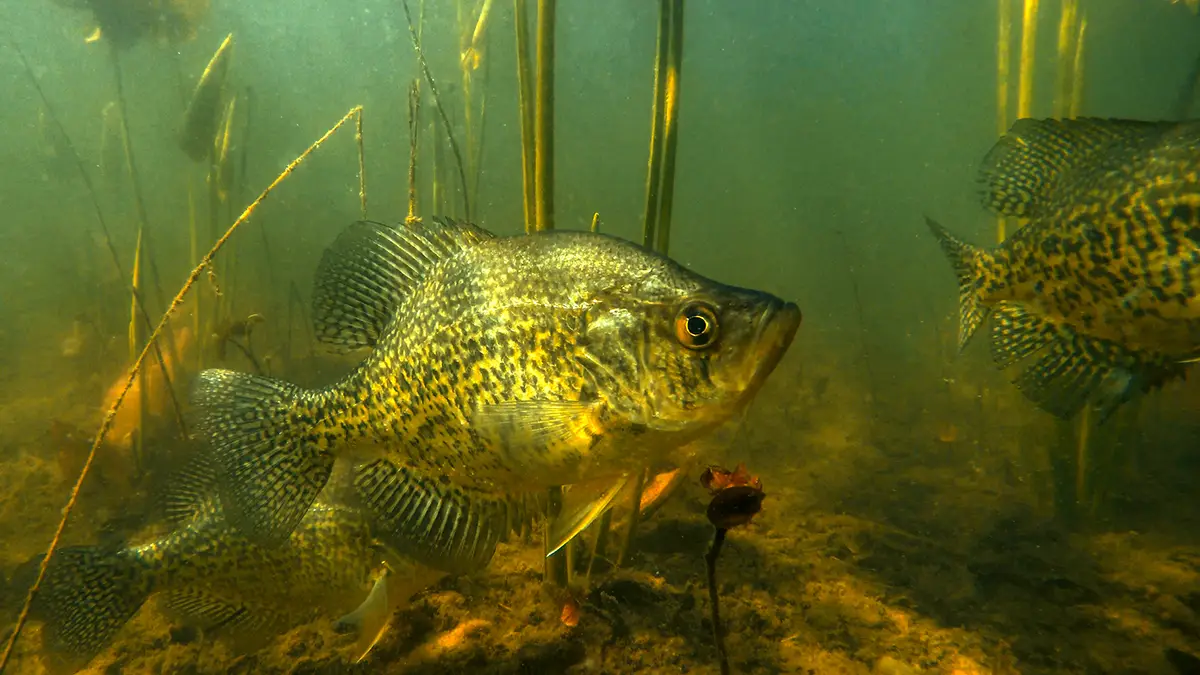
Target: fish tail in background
[
  {"x": 262, "y": 433},
  {"x": 88, "y": 595},
  {"x": 968, "y": 263}
]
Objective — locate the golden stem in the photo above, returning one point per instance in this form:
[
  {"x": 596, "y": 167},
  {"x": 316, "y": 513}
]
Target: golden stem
[
  {"x": 106, "y": 423},
  {"x": 1066, "y": 59},
  {"x": 1003, "y": 42},
  {"x": 524, "y": 102},
  {"x": 1077, "y": 78},
  {"x": 362, "y": 163},
  {"x": 414, "y": 115},
  {"x": 543, "y": 141},
  {"x": 670, "y": 127},
  {"x": 654, "y": 165},
  {"x": 1028, "y": 50}
]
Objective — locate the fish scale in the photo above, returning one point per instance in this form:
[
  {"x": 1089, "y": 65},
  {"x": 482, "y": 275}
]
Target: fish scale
[
  {"x": 1104, "y": 275},
  {"x": 213, "y": 577},
  {"x": 498, "y": 367}
]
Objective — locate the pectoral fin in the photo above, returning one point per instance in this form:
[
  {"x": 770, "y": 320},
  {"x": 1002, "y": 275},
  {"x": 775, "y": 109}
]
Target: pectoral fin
[
  {"x": 582, "y": 504},
  {"x": 370, "y": 619}
]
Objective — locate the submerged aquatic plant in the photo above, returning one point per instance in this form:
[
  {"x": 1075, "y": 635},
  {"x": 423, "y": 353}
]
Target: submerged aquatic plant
[{"x": 736, "y": 498}]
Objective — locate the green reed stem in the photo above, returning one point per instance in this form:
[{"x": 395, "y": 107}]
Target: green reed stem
[
  {"x": 657, "y": 122},
  {"x": 525, "y": 108},
  {"x": 543, "y": 142}
]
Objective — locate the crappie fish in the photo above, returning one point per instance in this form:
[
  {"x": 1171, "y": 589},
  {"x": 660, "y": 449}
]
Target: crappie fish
[
  {"x": 212, "y": 577},
  {"x": 1099, "y": 289},
  {"x": 500, "y": 366}
]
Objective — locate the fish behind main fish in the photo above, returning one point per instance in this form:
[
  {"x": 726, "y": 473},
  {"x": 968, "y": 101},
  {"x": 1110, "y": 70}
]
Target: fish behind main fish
[
  {"x": 1100, "y": 293},
  {"x": 500, "y": 366},
  {"x": 212, "y": 577}
]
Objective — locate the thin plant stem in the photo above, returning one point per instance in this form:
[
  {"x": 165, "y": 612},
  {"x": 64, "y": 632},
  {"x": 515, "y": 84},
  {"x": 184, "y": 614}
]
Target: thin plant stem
[
  {"x": 710, "y": 565},
  {"x": 525, "y": 107},
  {"x": 414, "y": 116},
  {"x": 635, "y": 507},
  {"x": 437, "y": 102},
  {"x": 108, "y": 241},
  {"x": 106, "y": 424},
  {"x": 362, "y": 163},
  {"x": 543, "y": 140},
  {"x": 1077, "y": 78},
  {"x": 670, "y": 127},
  {"x": 654, "y": 164},
  {"x": 1066, "y": 59},
  {"x": 1003, "y": 41}
]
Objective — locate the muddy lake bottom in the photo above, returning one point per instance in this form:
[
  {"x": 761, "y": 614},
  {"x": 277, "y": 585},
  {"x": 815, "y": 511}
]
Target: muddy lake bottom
[{"x": 883, "y": 547}]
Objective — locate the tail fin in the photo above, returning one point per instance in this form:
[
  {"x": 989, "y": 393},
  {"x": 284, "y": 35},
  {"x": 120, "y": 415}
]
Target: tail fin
[
  {"x": 270, "y": 466},
  {"x": 88, "y": 594},
  {"x": 967, "y": 261}
]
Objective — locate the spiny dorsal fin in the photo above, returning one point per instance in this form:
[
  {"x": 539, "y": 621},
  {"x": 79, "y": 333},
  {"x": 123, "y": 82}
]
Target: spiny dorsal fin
[
  {"x": 370, "y": 267},
  {"x": 1039, "y": 161}
]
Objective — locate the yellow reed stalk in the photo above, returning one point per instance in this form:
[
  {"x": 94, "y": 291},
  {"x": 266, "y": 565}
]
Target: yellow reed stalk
[
  {"x": 362, "y": 163},
  {"x": 465, "y": 68},
  {"x": 670, "y": 127},
  {"x": 635, "y": 505},
  {"x": 1077, "y": 78},
  {"x": 471, "y": 56},
  {"x": 544, "y": 114},
  {"x": 106, "y": 423},
  {"x": 1066, "y": 59},
  {"x": 1003, "y": 42},
  {"x": 525, "y": 107},
  {"x": 135, "y": 337},
  {"x": 1028, "y": 51},
  {"x": 543, "y": 140},
  {"x": 414, "y": 116},
  {"x": 657, "y": 108}
]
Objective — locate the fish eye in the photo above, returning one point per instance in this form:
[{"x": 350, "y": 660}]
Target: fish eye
[{"x": 696, "y": 326}]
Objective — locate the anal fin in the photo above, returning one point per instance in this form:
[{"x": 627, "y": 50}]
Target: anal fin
[{"x": 1069, "y": 370}]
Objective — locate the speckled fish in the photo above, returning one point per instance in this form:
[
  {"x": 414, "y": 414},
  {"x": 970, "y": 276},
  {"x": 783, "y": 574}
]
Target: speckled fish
[
  {"x": 211, "y": 576},
  {"x": 1097, "y": 294},
  {"x": 500, "y": 366}
]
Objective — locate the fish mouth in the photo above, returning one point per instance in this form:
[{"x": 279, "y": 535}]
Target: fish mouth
[{"x": 774, "y": 333}]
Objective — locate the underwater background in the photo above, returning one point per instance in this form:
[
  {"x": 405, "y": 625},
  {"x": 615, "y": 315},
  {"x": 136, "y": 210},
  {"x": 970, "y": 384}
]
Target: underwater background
[{"x": 921, "y": 515}]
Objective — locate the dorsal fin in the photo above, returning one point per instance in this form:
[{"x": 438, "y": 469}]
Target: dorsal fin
[
  {"x": 1037, "y": 163},
  {"x": 370, "y": 267}
]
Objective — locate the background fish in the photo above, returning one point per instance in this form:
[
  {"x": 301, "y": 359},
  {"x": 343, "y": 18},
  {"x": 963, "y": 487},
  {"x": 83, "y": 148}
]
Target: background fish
[
  {"x": 1099, "y": 290},
  {"x": 212, "y": 577},
  {"x": 501, "y": 366}
]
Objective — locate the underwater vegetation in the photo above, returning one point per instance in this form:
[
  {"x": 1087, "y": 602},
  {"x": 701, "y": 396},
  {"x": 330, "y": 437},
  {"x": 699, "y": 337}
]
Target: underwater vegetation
[{"x": 446, "y": 417}]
